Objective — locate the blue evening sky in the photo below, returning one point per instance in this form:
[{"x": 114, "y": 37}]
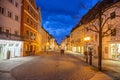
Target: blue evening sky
[{"x": 60, "y": 16}]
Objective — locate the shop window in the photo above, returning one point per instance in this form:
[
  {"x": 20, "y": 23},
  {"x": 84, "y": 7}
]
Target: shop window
[
  {"x": 10, "y": 44},
  {"x": 112, "y": 15},
  {"x": 16, "y": 45}
]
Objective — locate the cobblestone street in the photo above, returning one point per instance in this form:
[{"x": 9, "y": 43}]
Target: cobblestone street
[{"x": 50, "y": 67}]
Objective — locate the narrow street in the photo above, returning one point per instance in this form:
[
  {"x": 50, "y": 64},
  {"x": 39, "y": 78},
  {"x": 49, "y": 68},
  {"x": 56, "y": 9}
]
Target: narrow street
[{"x": 52, "y": 66}]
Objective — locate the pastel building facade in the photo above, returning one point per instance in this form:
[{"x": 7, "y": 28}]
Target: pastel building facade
[{"x": 10, "y": 26}]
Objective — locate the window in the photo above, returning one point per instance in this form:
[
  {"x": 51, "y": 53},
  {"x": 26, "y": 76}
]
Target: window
[
  {"x": 113, "y": 32},
  {"x": 31, "y": 34},
  {"x": 11, "y": 1},
  {"x": 27, "y": 34},
  {"x": 28, "y": 7},
  {"x": 34, "y": 36},
  {"x": 31, "y": 1},
  {"x": 16, "y": 4},
  {"x": 0, "y": 29},
  {"x": 27, "y": 20},
  {"x": 96, "y": 38},
  {"x": 2, "y": 10},
  {"x": 16, "y": 17},
  {"x": 87, "y": 29},
  {"x": 31, "y": 22},
  {"x": 16, "y": 32},
  {"x": 9, "y": 14},
  {"x": 112, "y": 15},
  {"x": 7, "y": 32}
]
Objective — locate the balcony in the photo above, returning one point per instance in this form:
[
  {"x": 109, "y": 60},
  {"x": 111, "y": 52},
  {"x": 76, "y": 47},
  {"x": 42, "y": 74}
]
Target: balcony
[{"x": 9, "y": 36}]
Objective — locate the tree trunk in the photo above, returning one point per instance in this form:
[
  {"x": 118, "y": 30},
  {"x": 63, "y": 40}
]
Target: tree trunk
[
  {"x": 100, "y": 41},
  {"x": 100, "y": 53}
]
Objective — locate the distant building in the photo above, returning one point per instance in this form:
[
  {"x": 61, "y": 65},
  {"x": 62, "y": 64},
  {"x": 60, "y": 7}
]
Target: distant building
[
  {"x": 10, "y": 26},
  {"x": 77, "y": 39}
]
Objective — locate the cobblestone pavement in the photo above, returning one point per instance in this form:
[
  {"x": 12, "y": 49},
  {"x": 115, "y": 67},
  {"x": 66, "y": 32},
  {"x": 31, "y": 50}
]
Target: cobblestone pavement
[
  {"x": 52, "y": 67},
  {"x": 7, "y": 65},
  {"x": 109, "y": 67}
]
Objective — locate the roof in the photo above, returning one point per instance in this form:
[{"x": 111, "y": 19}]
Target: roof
[{"x": 93, "y": 13}]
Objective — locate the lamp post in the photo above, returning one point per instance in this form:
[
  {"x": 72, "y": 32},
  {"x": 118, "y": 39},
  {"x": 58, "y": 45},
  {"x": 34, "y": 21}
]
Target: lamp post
[{"x": 86, "y": 39}]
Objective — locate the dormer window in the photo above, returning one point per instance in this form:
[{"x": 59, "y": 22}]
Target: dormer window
[{"x": 112, "y": 15}]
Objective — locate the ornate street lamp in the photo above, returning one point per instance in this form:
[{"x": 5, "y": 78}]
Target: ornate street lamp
[{"x": 86, "y": 39}]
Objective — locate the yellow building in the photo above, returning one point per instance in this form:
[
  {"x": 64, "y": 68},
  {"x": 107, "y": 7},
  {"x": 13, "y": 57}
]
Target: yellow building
[
  {"x": 39, "y": 34},
  {"x": 29, "y": 26},
  {"x": 65, "y": 44},
  {"x": 45, "y": 39},
  {"x": 77, "y": 39}
]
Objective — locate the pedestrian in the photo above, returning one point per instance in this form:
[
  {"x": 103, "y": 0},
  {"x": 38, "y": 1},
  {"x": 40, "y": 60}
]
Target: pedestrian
[
  {"x": 62, "y": 51},
  {"x": 90, "y": 56},
  {"x": 86, "y": 56}
]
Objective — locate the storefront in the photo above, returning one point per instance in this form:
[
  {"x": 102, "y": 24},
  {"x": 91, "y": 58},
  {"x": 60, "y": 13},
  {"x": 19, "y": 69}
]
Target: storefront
[
  {"x": 115, "y": 51},
  {"x": 14, "y": 47},
  {"x": 74, "y": 49}
]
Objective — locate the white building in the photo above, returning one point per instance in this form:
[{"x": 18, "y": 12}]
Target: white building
[{"x": 10, "y": 26}]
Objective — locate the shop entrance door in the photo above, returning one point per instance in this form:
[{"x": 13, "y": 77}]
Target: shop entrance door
[{"x": 31, "y": 49}]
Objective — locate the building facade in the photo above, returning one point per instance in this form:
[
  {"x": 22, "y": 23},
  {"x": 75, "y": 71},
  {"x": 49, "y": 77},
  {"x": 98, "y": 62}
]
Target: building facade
[
  {"x": 30, "y": 22},
  {"x": 10, "y": 25},
  {"x": 110, "y": 18},
  {"x": 77, "y": 39}
]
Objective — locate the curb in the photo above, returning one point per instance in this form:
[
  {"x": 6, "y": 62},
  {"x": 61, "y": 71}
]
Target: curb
[{"x": 101, "y": 76}]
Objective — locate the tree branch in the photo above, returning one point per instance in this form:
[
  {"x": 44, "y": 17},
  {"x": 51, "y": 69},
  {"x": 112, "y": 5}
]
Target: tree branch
[
  {"x": 105, "y": 22},
  {"x": 93, "y": 30},
  {"x": 109, "y": 28},
  {"x": 106, "y": 35},
  {"x": 95, "y": 27}
]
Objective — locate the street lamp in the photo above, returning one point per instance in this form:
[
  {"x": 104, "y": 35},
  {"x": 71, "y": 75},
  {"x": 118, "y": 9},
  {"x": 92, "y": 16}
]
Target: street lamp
[{"x": 86, "y": 39}]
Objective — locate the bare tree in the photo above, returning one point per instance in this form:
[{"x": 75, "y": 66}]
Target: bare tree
[{"x": 101, "y": 30}]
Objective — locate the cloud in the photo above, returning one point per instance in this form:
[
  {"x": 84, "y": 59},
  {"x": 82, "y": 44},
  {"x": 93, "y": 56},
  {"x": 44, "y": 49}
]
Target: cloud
[{"x": 60, "y": 16}]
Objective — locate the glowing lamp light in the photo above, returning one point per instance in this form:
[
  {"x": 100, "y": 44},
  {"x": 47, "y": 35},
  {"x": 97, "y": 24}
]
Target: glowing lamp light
[
  {"x": 87, "y": 38},
  {"x": 47, "y": 43}
]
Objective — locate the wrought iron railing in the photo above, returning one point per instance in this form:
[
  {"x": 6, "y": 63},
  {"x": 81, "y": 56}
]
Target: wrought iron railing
[{"x": 9, "y": 36}]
